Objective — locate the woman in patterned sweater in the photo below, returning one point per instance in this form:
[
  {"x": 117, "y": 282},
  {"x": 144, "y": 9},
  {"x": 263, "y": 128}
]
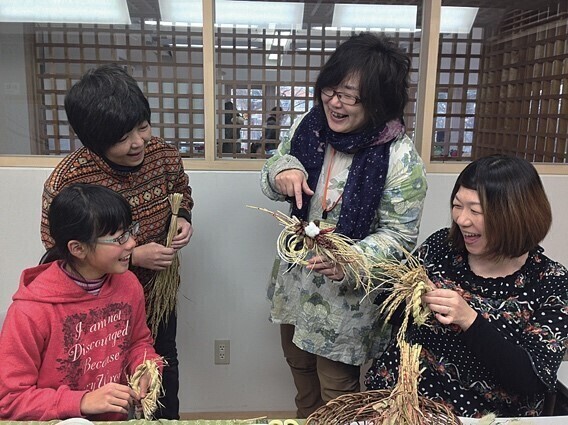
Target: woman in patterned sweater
[
  {"x": 111, "y": 116},
  {"x": 499, "y": 325}
]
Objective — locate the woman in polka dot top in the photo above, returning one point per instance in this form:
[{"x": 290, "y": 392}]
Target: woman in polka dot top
[{"x": 498, "y": 328}]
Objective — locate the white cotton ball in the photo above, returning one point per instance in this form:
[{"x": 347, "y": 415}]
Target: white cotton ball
[{"x": 312, "y": 230}]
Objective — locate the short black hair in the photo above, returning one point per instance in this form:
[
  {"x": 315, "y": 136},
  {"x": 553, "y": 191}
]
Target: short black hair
[
  {"x": 516, "y": 210},
  {"x": 85, "y": 212},
  {"x": 382, "y": 68},
  {"x": 104, "y": 105}
]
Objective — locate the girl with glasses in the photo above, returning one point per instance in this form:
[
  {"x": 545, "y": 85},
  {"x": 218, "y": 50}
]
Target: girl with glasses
[
  {"x": 110, "y": 114},
  {"x": 349, "y": 162},
  {"x": 77, "y": 326}
]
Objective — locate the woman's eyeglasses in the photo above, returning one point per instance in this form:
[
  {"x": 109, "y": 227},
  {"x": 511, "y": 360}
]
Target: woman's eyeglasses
[
  {"x": 346, "y": 99},
  {"x": 123, "y": 238}
]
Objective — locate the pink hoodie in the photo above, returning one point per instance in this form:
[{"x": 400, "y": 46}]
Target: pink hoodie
[{"x": 59, "y": 342}]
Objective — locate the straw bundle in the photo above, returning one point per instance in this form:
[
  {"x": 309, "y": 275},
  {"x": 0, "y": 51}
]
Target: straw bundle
[
  {"x": 408, "y": 282},
  {"x": 150, "y": 402},
  {"x": 402, "y": 405},
  {"x": 299, "y": 239},
  {"x": 162, "y": 290}
]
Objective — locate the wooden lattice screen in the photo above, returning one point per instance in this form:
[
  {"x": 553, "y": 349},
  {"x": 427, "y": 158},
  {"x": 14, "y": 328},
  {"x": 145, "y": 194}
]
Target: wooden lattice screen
[
  {"x": 458, "y": 77},
  {"x": 522, "y": 106},
  {"x": 170, "y": 76},
  {"x": 263, "y": 69},
  {"x": 256, "y": 70}
]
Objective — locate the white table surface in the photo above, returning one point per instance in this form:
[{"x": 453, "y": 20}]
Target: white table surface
[{"x": 542, "y": 420}]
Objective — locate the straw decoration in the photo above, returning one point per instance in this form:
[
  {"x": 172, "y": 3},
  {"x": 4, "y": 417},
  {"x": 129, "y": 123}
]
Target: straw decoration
[
  {"x": 162, "y": 290},
  {"x": 408, "y": 282},
  {"x": 150, "y": 402},
  {"x": 299, "y": 239},
  {"x": 402, "y": 405}
]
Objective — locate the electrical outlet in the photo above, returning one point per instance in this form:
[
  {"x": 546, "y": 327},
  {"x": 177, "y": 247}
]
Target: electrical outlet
[{"x": 222, "y": 351}]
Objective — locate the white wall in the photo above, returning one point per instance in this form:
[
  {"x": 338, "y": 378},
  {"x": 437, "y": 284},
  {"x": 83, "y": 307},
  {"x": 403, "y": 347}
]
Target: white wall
[{"x": 224, "y": 277}]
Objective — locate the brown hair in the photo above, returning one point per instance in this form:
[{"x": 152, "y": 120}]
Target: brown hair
[{"x": 516, "y": 210}]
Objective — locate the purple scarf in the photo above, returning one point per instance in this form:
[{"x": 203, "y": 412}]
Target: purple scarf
[{"x": 365, "y": 183}]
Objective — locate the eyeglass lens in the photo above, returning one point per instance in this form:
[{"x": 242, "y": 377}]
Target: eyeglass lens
[{"x": 342, "y": 97}]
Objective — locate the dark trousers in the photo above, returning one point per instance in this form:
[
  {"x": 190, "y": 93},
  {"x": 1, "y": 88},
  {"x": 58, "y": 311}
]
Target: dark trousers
[
  {"x": 317, "y": 379},
  {"x": 165, "y": 346}
]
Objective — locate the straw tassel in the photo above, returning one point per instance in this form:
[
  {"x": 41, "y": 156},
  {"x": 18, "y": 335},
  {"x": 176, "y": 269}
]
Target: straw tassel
[{"x": 162, "y": 290}]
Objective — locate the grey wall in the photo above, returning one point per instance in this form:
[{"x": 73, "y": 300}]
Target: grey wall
[{"x": 224, "y": 276}]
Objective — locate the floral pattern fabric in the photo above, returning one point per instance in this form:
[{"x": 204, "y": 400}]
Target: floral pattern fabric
[
  {"x": 334, "y": 319},
  {"x": 529, "y": 307}
]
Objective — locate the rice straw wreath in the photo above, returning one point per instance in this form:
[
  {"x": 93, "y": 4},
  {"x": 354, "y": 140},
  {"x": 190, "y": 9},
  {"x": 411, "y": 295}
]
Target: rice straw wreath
[
  {"x": 299, "y": 239},
  {"x": 162, "y": 290},
  {"x": 150, "y": 402}
]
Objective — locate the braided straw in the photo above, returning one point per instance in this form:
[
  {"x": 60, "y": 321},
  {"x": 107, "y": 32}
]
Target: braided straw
[
  {"x": 402, "y": 405},
  {"x": 150, "y": 402}
]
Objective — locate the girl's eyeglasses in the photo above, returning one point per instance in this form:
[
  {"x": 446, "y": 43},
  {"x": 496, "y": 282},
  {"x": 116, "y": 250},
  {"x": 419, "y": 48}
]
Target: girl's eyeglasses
[{"x": 123, "y": 238}]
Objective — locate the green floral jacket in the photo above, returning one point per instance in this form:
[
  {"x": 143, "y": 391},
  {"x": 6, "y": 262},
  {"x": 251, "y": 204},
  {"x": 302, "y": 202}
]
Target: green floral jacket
[{"x": 333, "y": 319}]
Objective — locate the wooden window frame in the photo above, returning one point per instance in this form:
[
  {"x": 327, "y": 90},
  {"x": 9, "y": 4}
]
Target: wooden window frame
[{"x": 425, "y": 107}]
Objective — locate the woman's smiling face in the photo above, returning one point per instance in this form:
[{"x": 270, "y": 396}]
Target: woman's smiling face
[
  {"x": 343, "y": 118},
  {"x": 468, "y": 215}
]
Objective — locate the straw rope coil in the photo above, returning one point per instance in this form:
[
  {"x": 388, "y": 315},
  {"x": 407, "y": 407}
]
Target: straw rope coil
[
  {"x": 300, "y": 239},
  {"x": 358, "y": 407},
  {"x": 400, "y": 406}
]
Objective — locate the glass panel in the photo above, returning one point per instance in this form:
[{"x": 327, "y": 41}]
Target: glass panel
[
  {"x": 267, "y": 63},
  {"x": 165, "y": 59},
  {"x": 260, "y": 65},
  {"x": 501, "y": 85}
]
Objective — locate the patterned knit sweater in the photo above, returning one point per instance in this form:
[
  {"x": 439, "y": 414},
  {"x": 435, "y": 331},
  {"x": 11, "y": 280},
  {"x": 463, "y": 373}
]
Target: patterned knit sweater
[{"x": 146, "y": 188}]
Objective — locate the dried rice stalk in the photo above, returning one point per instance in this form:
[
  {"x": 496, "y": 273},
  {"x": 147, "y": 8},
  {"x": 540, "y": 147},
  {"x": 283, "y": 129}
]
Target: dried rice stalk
[
  {"x": 491, "y": 419},
  {"x": 409, "y": 283},
  {"x": 150, "y": 402},
  {"x": 402, "y": 406},
  {"x": 299, "y": 238},
  {"x": 162, "y": 290}
]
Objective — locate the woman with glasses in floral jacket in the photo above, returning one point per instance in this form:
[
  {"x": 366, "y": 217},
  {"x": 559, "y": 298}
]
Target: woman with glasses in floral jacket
[{"x": 348, "y": 162}]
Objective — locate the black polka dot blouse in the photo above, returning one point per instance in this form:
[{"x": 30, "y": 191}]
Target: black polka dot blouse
[{"x": 508, "y": 359}]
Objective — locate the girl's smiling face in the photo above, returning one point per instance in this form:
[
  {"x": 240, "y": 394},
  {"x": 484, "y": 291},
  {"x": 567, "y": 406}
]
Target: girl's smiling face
[
  {"x": 105, "y": 257},
  {"x": 343, "y": 118}
]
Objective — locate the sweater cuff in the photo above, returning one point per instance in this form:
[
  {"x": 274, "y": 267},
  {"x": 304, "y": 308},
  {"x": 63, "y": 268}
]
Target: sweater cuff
[
  {"x": 70, "y": 404},
  {"x": 475, "y": 331},
  {"x": 183, "y": 213}
]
